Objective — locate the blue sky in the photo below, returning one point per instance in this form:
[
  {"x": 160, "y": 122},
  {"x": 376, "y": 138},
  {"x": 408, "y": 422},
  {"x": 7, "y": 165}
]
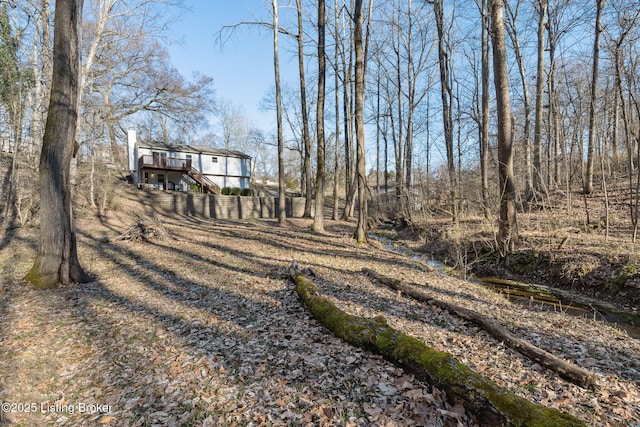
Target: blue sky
[{"x": 243, "y": 68}]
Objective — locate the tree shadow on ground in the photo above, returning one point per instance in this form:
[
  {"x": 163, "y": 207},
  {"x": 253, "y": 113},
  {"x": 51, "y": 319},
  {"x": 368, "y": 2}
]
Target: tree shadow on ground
[{"x": 197, "y": 318}]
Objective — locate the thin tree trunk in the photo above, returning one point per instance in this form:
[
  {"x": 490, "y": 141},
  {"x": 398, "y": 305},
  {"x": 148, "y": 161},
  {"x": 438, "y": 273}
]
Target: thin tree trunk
[
  {"x": 588, "y": 181},
  {"x": 447, "y": 100},
  {"x": 537, "y": 133},
  {"x": 386, "y": 156},
  {"x": 57, "y": 258},
  {"x": 42, "y": 72},
  {"x": 349, "y": 184},
  {"x": 408, "y": 145},
  {"x": 484, "y": 133},
  {"x": 606, "y": 193},
  {"x": 92, "y": 176},
  {"x": 378, "y": 136},
  {"x": 318, "y": 220},
  {"x": 336, "y": 164},
  {"x": 627, "y": 131},
  {"x": 282, "y": 203},
  {"x": 361, "y": 228},
  {"x": 401, "y": 190},
  {"x": 513, "y": 33},
  {"x": 508, "y": 229},
  {"x": 305, "y": 117},
  {"x": 554, "y": 150},
  {"x": 13, "y": 191}
]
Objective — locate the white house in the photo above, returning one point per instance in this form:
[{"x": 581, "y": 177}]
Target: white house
[{"x": 164, "y": 166}]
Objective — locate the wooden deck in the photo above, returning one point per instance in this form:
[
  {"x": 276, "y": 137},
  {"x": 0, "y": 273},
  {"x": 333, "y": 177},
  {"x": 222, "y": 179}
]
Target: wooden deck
[
  {"x": 162, "y": 162},
  {"x": 181, "y": 165}
]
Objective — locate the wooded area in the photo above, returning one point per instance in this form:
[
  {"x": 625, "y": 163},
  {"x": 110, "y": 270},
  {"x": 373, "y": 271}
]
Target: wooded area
[
  {"x": 408, "y": 130},
  {"x": 437, "y": 123}
]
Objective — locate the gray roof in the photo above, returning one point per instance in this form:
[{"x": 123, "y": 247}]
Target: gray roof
[{"x": 180, "y": 148}]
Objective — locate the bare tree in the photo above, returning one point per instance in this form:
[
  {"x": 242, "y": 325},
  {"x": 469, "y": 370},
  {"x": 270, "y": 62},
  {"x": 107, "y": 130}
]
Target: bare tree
[
  {"x": 627, "y": 21},
  {"x": 42, "y": 65},
  {"x": 347, "y": 99},
  {"x": 508, "y": 227},
  {"x": 306, "y": 142},
  {"x": 444, "y": 62},
  {"x": 57, "y": 258},
  {"x": 537, "y": 134},
  {"x": 282, "y": 214},
  {"x": 318, "y": 220},
  {"x": 512, "y": 31},
  {"x": 137, "y": 79},
  {"x": 361, "y": 228},
  {"x": 234, "y": 125},
  {"x": 12, "y": 86},
  {"x": 588, "y": 181},
  {"x": 484, "y": 132},
  {"x": 336, "y": 165}
]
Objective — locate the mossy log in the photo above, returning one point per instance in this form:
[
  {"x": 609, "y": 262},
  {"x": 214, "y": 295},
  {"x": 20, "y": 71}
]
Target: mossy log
[
  {"x": 566, "y": 370},
  {"x": 489, "y": 403}
]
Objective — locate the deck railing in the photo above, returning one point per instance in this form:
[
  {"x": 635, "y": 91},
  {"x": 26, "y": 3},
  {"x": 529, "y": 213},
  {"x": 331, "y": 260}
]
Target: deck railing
[{"x": 163, "y": 162}]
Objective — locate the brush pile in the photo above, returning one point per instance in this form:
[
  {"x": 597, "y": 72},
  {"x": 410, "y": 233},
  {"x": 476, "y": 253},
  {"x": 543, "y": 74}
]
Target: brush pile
[{"x": 145, "y": 229}]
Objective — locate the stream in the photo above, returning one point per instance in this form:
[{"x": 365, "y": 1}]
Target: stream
[{"x": 527, "y": 295}]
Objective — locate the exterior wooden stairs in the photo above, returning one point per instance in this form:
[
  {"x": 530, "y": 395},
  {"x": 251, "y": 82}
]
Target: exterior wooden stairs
[{"x": 205, "y": 183}]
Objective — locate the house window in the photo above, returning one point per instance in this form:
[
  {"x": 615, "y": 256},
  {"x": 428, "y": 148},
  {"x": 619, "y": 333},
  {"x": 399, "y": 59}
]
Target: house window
[
  {"x": 188, "y": 156},
  {"x": 214, "y": 159},
  {"x": 160, "y": 178}
]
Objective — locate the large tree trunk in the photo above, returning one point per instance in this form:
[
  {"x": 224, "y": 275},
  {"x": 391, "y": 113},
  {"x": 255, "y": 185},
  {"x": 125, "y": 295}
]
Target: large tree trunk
[
  {"x": 508, "y": 229},
  {"x": 318, "y": 219},
  {"x": 57, "y": 258},
  {"x": 361, "y": 228}
]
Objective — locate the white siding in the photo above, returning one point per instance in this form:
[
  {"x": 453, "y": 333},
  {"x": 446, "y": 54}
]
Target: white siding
[{"x": 225, "y": 172}]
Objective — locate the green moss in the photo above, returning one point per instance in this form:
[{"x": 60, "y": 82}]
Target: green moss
[
  {"x": 526, "y": 263},
  {"x": 39, "y": 280},
  {"x": 386, "y": 340},
  {"x": 490, "y": 403},
  {"x": 619, "y": 280}
]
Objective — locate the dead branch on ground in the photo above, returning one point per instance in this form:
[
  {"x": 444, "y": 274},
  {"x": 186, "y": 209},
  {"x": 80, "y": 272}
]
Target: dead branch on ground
[
  {"x": 489, "y": 403},
  {"x": 567, "y": 370}
]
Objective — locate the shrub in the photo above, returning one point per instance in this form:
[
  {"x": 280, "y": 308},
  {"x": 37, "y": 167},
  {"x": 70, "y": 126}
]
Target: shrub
[
  {"x": 247, "y": 192},
  {"x": 225, "y": 191},
  {"x": 235, "y": 191}
]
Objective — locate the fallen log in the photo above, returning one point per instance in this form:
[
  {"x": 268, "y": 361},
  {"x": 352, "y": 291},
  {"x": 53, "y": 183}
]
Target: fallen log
[
  {"x": 566, "y": 370},
  {"x": 489, "y": 403}
]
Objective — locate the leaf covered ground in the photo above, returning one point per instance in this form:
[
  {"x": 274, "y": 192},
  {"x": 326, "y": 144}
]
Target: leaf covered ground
[{"x": 203, "y": 328}]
